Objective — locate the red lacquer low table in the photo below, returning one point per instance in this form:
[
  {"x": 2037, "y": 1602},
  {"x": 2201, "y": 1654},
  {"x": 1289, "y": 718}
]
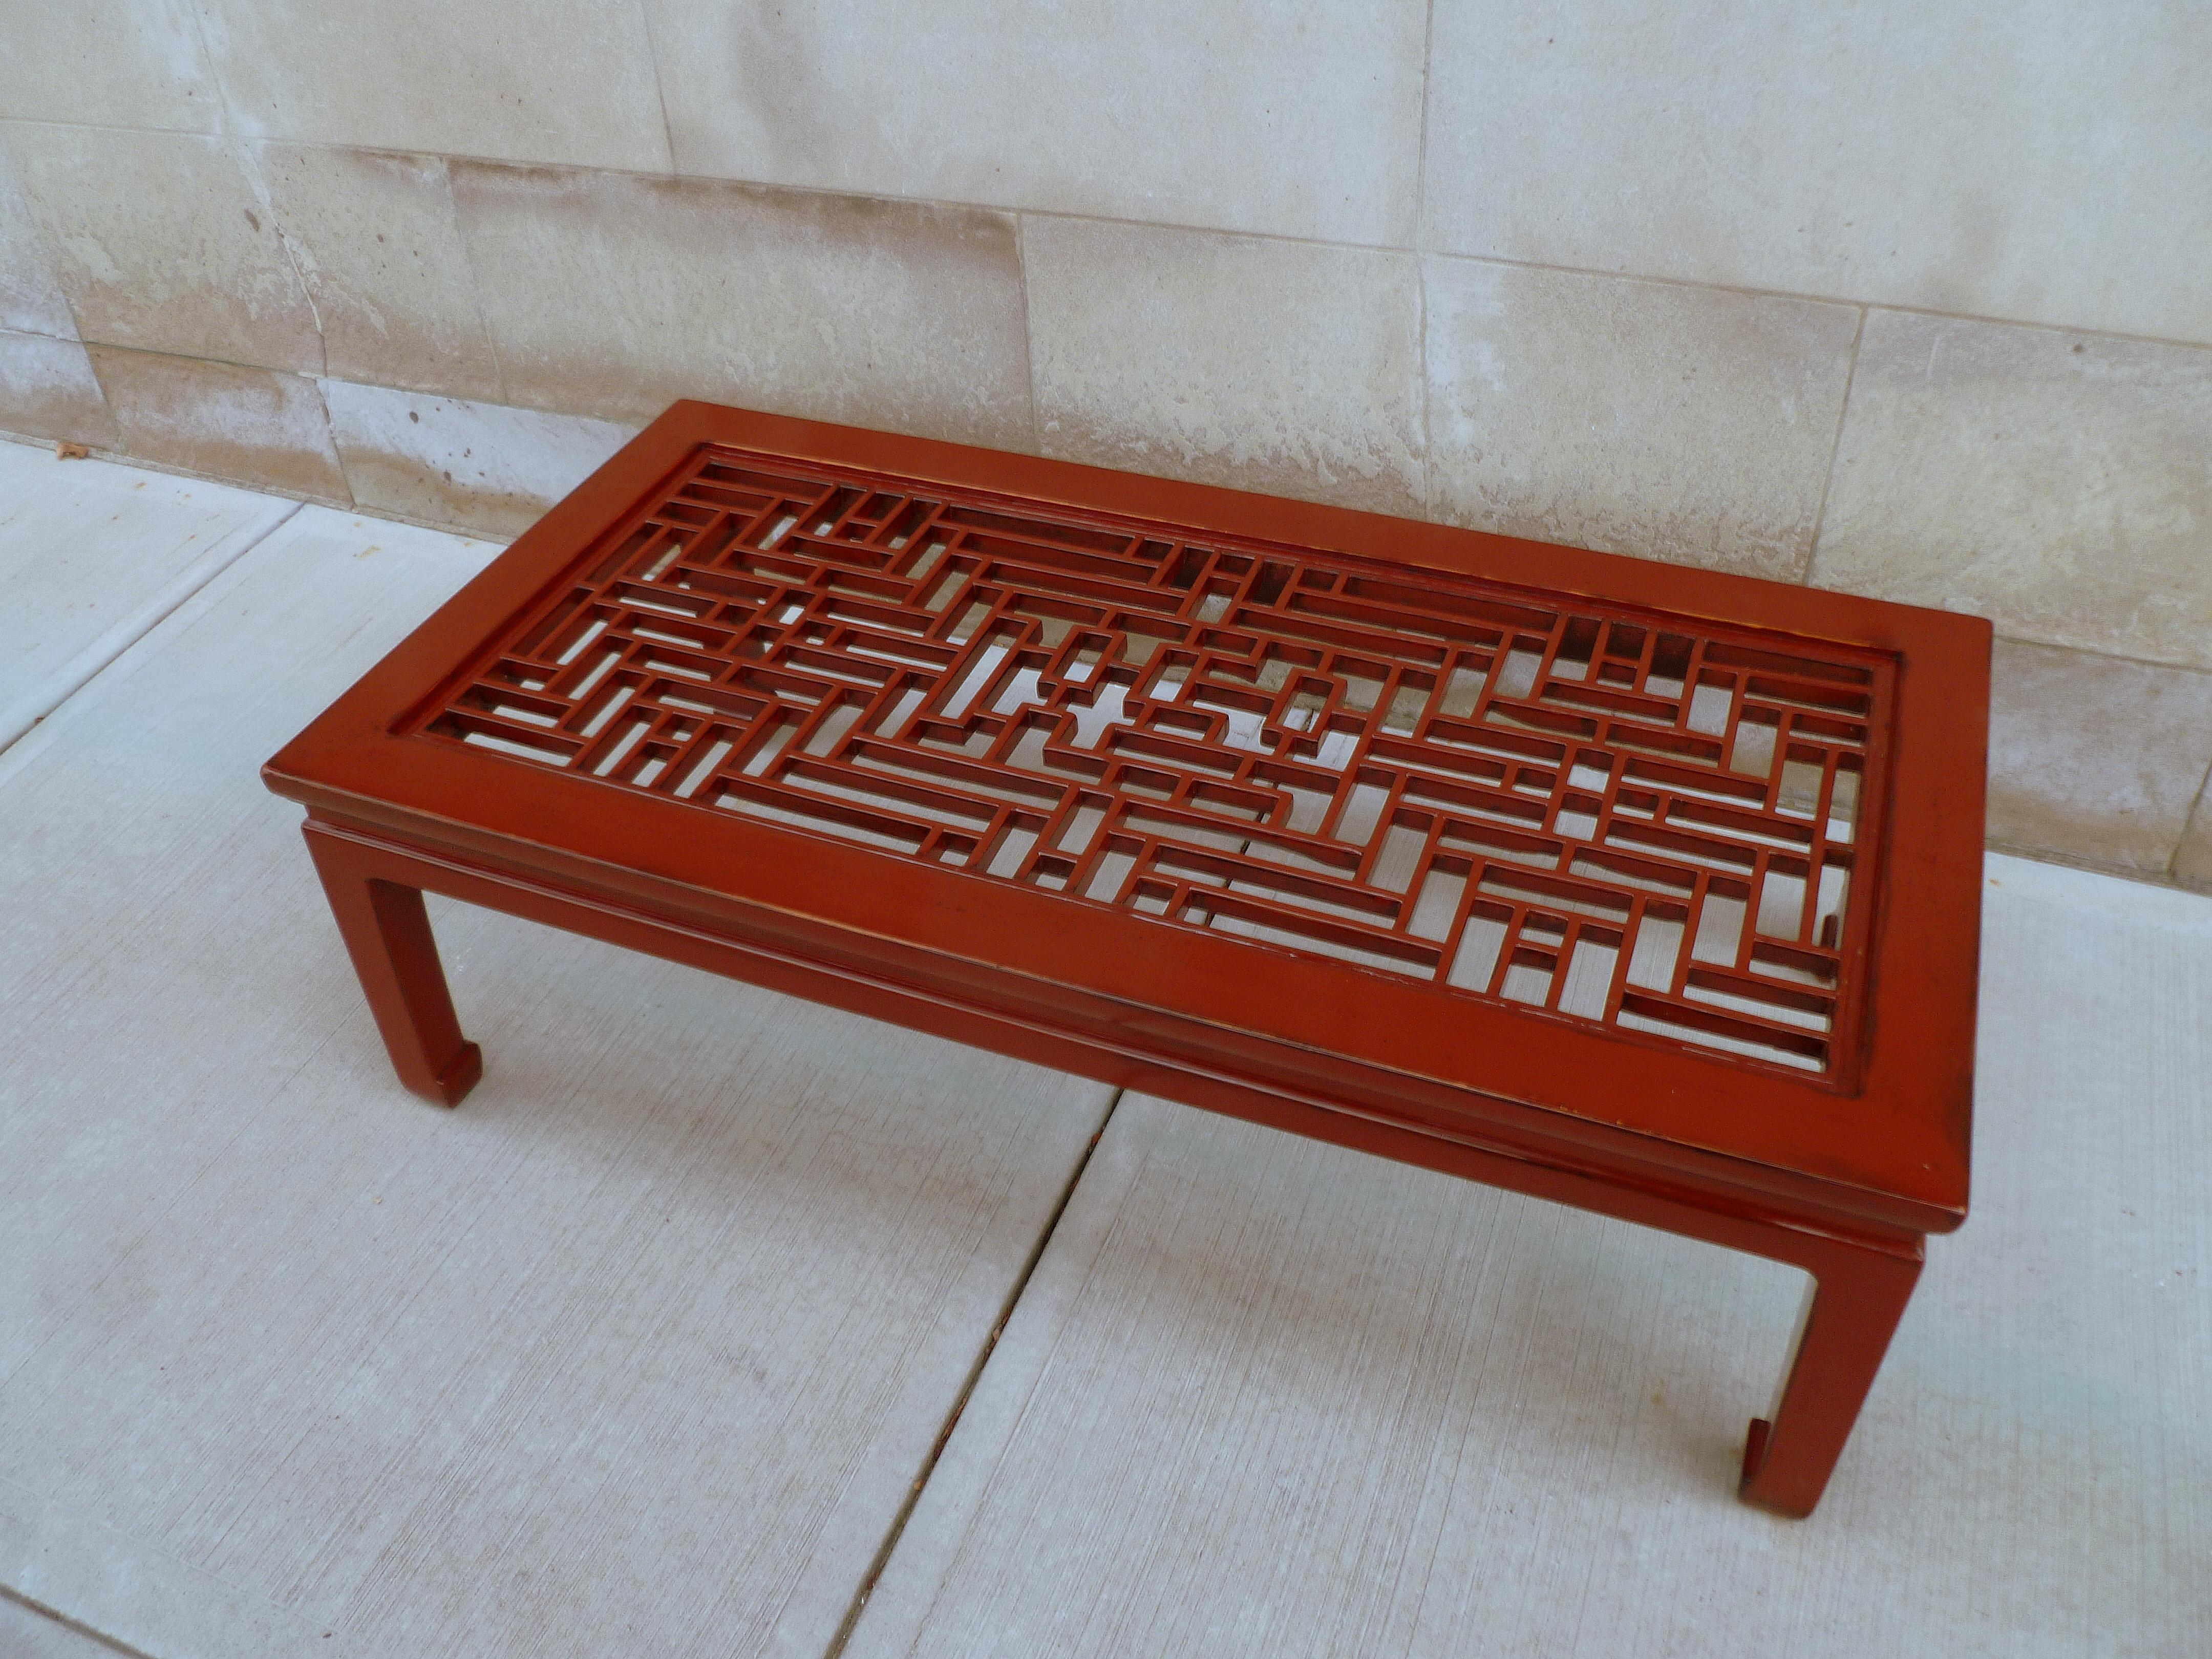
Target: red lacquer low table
[{"x": 1645, "y": 890}]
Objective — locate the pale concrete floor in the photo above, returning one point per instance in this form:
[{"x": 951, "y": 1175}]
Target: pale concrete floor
[{"x": 644, "y": 1350}]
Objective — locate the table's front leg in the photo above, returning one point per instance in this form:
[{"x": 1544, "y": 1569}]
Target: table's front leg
[
  {"x": 1851, "y": 1310},
  {"x": 387, "y": 934}
]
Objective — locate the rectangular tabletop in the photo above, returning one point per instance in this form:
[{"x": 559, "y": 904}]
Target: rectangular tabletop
[{"x": 1486, "y": 833}]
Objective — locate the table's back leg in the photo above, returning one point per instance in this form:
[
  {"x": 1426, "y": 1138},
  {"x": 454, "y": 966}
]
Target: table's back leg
[
  {"x": 387, "y": 934},
  {"x": 1851, "y": 1310}
]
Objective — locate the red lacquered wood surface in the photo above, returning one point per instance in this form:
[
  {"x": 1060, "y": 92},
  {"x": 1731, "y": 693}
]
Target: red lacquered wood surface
[{"x": 1651, "y": 890}]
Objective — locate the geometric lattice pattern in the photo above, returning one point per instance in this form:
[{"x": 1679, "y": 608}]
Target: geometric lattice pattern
[{"x": 1613, "y": 817}]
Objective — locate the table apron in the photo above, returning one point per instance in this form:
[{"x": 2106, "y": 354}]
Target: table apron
[{"x": 1752, "y": 1222}]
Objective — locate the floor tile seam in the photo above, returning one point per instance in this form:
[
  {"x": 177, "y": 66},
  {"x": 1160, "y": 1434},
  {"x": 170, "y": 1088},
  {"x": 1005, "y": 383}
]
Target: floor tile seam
[
  {"x": 1012, "y": 1302},
  {"x": 143, "y": 1553},
  {"x": 118, "y": 641},
  {"x": 40, "y": 1609}
]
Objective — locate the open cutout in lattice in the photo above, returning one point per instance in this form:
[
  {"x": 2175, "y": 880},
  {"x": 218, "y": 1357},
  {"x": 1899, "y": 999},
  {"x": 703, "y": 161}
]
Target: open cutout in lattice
[{"x": 1621, "y": 819}]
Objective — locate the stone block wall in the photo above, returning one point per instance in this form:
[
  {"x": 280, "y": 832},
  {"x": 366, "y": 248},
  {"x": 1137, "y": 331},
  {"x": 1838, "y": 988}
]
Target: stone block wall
[{"x": 1908, "y": 306}]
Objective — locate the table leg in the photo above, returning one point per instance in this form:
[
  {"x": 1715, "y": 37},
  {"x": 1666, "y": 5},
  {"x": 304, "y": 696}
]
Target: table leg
[
  {"x": 387, "y": 934},
  {"x": 1852, "y": 1308}
]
